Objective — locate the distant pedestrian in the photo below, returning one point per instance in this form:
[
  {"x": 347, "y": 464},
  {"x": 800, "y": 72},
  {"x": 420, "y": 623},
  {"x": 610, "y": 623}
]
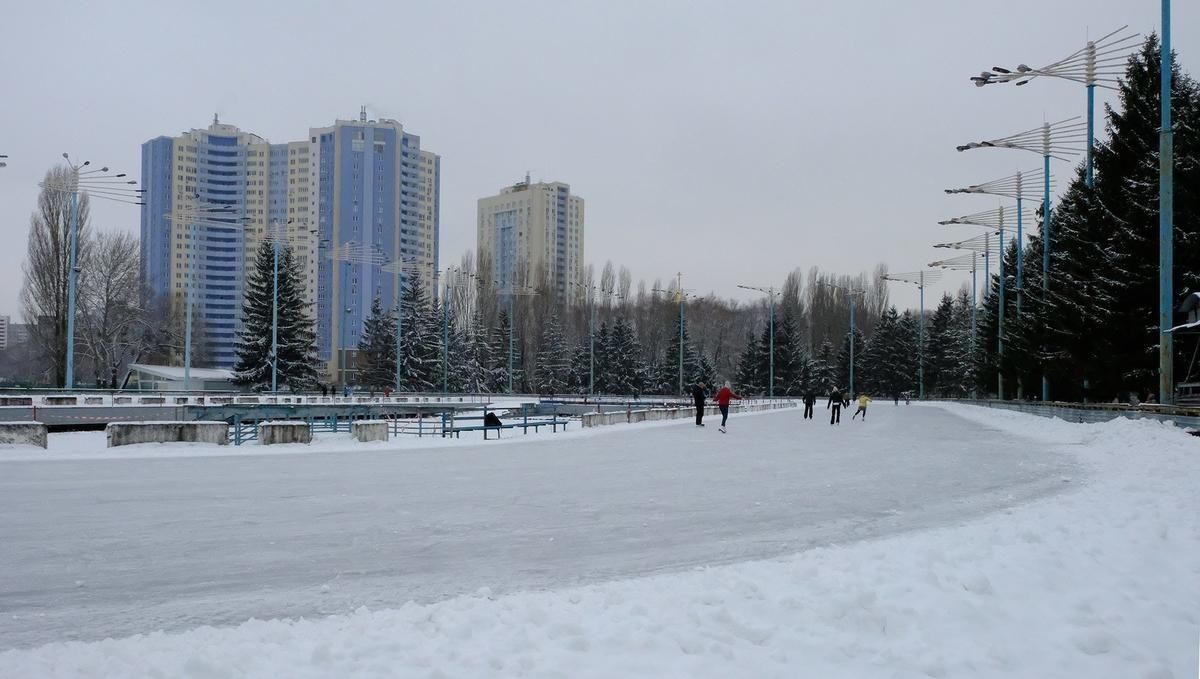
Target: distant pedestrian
[
  {"x": 835, "y": 405},
  {"x": 724, "y": 394},
  {"x": 863, "y": 401},
  {"x": 346, "y": 391},
  {"x": 698, "y": 397},
  {"x": 387, "y": 392},
  {"x": 324, "y": 390},
  {"x": 810, "y": 400},
  {"x": 897, "y": 396}
]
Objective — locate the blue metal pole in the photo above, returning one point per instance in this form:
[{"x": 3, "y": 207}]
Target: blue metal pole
[
  {"x": 1020, "y": 247},
  {"x": 771, "y": 357},
  {"x": 345, "y": 324},
  {"x": 851, "y": 346},
  {"x": 592, "y": 345},
  {"x": 920, "y": 342},
  {"x": 1091, "y": 132},
  {"x": 187, "y": 330},
  {"x": 71, "y": 284},
  {"x": 399, "y": 329},
  {"x": 1000, "y": 324},
  {"x": 275, "y": 324},
  {"x": 681, "y": 344},
  {"x": 446, "y": 337},
  {"x": 1045, "y": 253},
  {"x": 1166, "y": 216},
  {"x": 511, "y": 327}
]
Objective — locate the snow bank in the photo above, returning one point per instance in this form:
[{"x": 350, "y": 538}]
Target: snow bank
[{"x": 1098, "y": 581}]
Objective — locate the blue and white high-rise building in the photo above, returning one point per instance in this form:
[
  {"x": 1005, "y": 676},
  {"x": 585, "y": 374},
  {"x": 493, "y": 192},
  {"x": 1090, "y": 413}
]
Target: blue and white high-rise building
[{"x": 366, "y": 183}]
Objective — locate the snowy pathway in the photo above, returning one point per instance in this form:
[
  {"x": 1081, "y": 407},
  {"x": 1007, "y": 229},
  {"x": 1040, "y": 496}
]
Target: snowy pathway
[{"x": 98, "y": 548}]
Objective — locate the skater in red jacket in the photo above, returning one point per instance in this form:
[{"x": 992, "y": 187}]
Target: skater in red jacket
[{"x": 723, "y": 397}]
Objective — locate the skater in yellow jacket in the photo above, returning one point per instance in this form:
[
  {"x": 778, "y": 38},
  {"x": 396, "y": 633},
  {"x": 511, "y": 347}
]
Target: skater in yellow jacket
[{"x": 863, "y": 400}]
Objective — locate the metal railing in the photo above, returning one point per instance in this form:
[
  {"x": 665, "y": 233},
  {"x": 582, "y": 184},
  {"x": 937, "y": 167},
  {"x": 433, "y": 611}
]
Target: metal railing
[{"x": 1188, "y": 418}]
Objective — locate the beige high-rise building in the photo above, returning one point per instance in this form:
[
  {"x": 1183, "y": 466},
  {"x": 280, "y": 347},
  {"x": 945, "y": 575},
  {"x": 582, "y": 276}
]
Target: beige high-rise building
[{"x": 532, "y": 232}]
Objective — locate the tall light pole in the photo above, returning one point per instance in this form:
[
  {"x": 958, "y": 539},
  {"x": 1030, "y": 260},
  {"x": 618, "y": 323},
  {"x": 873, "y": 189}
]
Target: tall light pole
[
  {"x": 1012, "y": 186},
  {"x": 968, "y": 261},
  {"x": 680, "y": 295},
  {"x": 1052, "y": 140},
  {"x": 850, "y": 294},
  {"x": 771, "y": 294},
  {"x": 400, "y": 268},
  {"x": 350, "y": 253},
  {"x": 919, "y": 279},
  {"x": 190, "y": 215},
  {"x": 1166, "y": 219},
  {"x": 98, "y": 183},
  {"x": 278, "y": 236},
  {"x": 1100, "y": 63}
]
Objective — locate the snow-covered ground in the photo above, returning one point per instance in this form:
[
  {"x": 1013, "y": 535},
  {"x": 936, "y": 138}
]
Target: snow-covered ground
[{"x": 930, "y": 541}]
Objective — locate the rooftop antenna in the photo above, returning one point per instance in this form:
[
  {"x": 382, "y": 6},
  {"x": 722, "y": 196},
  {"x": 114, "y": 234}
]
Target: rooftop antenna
[
  {"x": 362, "y": 114},
  {"x": 526, "y": 176},
  {"x": 216, "y": 120}
]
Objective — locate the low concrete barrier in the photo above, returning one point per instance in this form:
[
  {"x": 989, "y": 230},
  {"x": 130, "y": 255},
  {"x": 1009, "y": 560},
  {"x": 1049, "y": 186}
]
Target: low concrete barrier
[
  {"x": 23, "y": 433},
  {"x": 270, "y": 433},
  {"x": 655, "y": 414},
  {"x": 369, "y": 430},
  {"x": 129, "y": 433}
]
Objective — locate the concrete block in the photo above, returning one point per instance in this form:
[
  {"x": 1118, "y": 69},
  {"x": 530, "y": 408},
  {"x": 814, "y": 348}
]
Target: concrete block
[
  {"x": 271, "y": 433},
  {"x": 129, "y": 433},
  {"x": 23, "y": 433},
  {"x": 369, "y": 430}
]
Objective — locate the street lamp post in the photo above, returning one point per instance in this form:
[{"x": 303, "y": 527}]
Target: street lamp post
[
  {"x": 349, "y": 253},
  {"x": 771, "y": 294},
  {"x": 1099, "y": 63},
  {"x": 1050, "y": 140},
  {"x": 919, "y": 279},
  {"x": 1166, "y": 219},
  {"x": 278, "y": 237},
  {"x": 400, "y": 268},
  {"x": 99, "y": 183},
  {"x": 968, "y": 261},
  {"x": 680, "y": 295}
]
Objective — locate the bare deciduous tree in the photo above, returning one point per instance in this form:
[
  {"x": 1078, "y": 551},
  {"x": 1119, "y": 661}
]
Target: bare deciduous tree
[
  {"x": 47, "y": 264},
  {"x": 113, "y": 325}
]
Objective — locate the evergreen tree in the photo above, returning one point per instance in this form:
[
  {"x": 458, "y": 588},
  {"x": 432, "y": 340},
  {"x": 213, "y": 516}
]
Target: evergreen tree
[
  {"x": 553, "y": 362},
  {"x": 940, "y": 348},
  {"x": 824, "y": 368},
  {"x": 420, "y": 341},
  {"x": 377, "y": 349},
  {"x": 503, "y": 342},
  {"x": 296, "y": 340},
  {"x": 750, "y": 378},
  {"x": 623, "y": 359},
  {"x": 579, "y": 372},
  {"x": 907, "y": 352}
]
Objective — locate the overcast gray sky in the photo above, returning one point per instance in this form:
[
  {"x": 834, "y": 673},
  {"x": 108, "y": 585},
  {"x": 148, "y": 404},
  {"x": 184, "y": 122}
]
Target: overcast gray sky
[{"x": 732, "y": 141}]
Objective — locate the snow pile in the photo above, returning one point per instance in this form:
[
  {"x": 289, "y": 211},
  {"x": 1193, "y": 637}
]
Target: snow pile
[{"x": 1097, "y": 581}]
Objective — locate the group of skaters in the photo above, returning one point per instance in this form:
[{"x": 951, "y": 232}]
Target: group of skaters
[{"x": 837, "y": 401}]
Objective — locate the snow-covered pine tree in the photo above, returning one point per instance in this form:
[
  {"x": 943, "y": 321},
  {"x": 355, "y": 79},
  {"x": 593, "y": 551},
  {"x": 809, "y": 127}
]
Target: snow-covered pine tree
[
  {"x": 553, "y": 362},
  {"x": 377, "y": 349},
  {"x": 505, "y": 348},
  {"x": 296, "y": 340},
  {"x": 624, "y": 360},
  {"x": 577, "y": 374},
  {"x": 750, "y": 380},
  {"x": 824, "y": 368},
  {"x": 940, "y": 345},
  {"x": 906, "y": 353},
  {"x": 420, "y": 341}
]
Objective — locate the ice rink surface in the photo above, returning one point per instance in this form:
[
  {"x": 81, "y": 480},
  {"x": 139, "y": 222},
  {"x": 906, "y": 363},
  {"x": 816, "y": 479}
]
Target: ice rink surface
[{"x": 113, "y": 547}]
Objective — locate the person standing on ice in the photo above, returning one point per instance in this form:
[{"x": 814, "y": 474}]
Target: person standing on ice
[
  {"x": 722, "y": 398},
  {"x": 863, "y": 401},
  {"x": 835, "y": 404},
  {"x": 810, "y": 400},
  {"x": 698, "y": 397}
]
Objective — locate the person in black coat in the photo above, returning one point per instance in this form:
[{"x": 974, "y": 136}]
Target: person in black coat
[
  {"x": 698, "y": 397},
  {"x": 835, "y": 403},
  {"x": 810, "y": 400}
]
